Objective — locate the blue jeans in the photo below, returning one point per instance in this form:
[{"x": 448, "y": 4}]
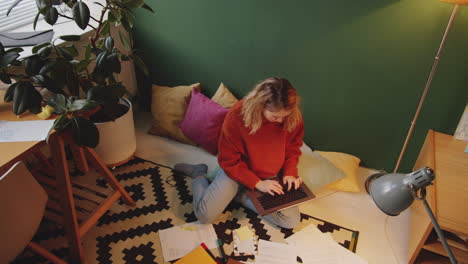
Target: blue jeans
[{"x": 210, "y": 200}]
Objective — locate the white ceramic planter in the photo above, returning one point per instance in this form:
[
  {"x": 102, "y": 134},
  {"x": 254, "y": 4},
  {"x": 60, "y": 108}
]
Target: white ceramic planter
[{"x": 117, "y": 141}]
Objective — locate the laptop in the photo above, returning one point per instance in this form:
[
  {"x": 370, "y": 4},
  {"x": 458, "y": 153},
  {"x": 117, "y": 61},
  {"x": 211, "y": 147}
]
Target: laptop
[{"x": 266, "y": 203}]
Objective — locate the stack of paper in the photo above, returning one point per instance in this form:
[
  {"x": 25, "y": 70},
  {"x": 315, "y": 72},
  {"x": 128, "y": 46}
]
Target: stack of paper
[
  {"x": 314, "y": 247},
  {"x": 17, "y": 131},
  {"x": 275, "y": 253},
  {"x": 245, "y": 241}
]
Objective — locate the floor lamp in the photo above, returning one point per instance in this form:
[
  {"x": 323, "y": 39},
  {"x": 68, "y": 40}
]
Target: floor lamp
[
  {"x": 456, "y": 4},
  {"x": 393, "y": 193}
]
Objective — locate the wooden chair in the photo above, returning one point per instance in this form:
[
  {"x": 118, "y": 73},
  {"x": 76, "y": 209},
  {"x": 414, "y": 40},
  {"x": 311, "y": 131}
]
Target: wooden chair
[{"x": 22, "y": 206}]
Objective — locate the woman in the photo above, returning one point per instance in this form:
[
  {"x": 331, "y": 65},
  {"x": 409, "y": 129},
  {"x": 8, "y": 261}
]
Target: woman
[{"x": 261, "y": 136}]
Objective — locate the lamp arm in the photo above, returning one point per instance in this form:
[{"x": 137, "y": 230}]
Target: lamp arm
[
  {"x": 439, "y": 232},
  {"x": 426, "y": 87}
]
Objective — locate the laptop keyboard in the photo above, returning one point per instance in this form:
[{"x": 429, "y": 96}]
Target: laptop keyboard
[{"x": 269, "y": 201}]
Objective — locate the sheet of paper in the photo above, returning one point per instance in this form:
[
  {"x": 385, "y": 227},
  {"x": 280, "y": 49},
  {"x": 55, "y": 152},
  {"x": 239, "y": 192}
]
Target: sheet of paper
[
  {"x": 244, "y": 233},
  {"x": 275, "y": 253},
  {"x": 178, "y": 241},
  {"x": 246, "y": 246},
  {"x": 315, "y": 247},
  {"x": 17, "y": 131}
]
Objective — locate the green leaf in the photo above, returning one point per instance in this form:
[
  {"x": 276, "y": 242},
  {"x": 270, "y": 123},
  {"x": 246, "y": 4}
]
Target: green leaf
[
  {"x": 70, "y": 37},
  {"x": 8, "y": 97},
  {"x": 51, "y": 16},
  {"x": 71, "y": 50},
  {"x": 35, "y": 20},
  {"x": 109, "y": 43},
  {"x": 18, "y": 50},
  {"x": 59, "y": 103},
  {"x": 83, "y": 105},
  {"x": 134, "y": 3},
  {"x": 97, "y": 3},
  {"x": 38, "y": 79},
  {"x": 101, "y": 59},
  {"x": 114, "y": 63},
  {"x": 61, "y": 122},
  {"x": 140, "y": 64},
  {"x": 35, "y": 49},
  {"x": 88, "y": 52},
  {"x": 35, "y": 101},
  {"x": 5, "y": 78},
  {"x": 105, "y": 28},
  {"x": 45, "y": 51},
  {"x": 147, "y": 7},
  {"x": 42, "y": 6},
  {"x": 7, "y": 58},
  {"x": 72, "y": 82},
  {"x": 126, "y": 24},
  {"x": 82, "y": 65},
  {"x": 32, "y": 65},
  {"x": 26, "y": 97},
  {"x": 124, "y": 40},
  {"x": 115, "y": 15},
  {"x": 81, "y": 14},
  {"x": 85, "y": 132},
  {"x": 13, "y": 6},
  {"x": 64, "y": 53}
]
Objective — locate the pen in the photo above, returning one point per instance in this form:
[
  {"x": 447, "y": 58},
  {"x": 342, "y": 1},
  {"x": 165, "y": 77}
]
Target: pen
[
  {"x": 208, "y": 251},
  {"x": 220, "y": 244}
]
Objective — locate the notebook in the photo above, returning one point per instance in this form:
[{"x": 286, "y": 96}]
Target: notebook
[
  {"x": 266, "y": 203},
  {"x": 198, "y": 255}
]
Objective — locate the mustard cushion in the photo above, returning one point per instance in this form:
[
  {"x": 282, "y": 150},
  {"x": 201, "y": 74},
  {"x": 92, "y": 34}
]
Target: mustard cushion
[
  {"x": 347, "y": 163},
  {"x": 224, "y": 97},
  {"x": 168, "y": 106}
]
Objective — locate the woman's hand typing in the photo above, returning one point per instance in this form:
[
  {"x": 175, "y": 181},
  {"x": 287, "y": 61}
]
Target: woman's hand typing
[
  {"x": 269, "y": 186},
  {"x": 290, "y": 181}
]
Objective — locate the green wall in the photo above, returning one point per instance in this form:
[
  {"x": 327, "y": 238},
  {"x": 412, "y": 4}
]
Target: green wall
[{"x": 360, "y": 66}]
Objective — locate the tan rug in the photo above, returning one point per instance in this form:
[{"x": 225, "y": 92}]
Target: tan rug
[{"x": 130, "y": 234}]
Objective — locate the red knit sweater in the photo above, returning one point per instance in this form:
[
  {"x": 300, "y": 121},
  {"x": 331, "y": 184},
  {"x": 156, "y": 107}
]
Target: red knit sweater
[{"x": 248, "y": 159}]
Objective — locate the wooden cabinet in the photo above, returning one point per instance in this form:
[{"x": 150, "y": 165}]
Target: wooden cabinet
[{"x": 448, "y": 196}]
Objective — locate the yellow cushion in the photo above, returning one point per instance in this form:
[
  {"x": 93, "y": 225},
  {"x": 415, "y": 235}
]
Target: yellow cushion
[
  {"x": 224, "y": 97},
  {"x": 349, "y": 164},
  {"x": 168, "y": 106}
]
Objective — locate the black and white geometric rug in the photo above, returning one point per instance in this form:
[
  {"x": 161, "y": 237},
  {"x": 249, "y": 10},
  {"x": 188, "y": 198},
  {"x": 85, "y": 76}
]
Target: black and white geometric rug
[{"x": 129, "y": 235}]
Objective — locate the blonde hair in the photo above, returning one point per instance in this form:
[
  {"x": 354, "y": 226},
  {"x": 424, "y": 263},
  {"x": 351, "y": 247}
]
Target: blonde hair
[{"x": 273, "y": 94}]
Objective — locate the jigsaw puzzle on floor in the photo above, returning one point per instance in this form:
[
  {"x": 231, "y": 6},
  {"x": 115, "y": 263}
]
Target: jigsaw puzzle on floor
[{"x": 130, "y": 234}]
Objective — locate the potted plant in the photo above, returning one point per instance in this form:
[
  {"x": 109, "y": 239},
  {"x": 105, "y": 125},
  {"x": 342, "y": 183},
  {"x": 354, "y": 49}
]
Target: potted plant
[{"x": 84, "y": 87}]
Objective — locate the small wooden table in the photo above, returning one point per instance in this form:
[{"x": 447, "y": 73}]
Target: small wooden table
[
  {"x": 16, "y": 151},
  {"x": 448, "y": 197}
]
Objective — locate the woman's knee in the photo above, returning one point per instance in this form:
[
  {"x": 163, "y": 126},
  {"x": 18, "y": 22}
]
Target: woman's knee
[{"x": 288, "y": 218}]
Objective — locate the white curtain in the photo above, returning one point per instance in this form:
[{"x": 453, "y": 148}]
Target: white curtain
[{"x": 22, "y": 14}]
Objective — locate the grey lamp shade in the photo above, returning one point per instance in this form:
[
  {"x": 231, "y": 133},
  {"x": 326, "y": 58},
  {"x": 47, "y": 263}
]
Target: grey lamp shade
[
  {"x": 394, "y": 192},
  {"x": 391, "y": 193}
]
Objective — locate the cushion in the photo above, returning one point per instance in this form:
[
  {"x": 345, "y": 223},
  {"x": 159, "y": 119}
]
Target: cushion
[
  {"x": 224, "y": 97},
  {"x": 317, "y": 171},
  {"x": 203, "y": 121},
  {"x": 347, "y": 163},
  {"x": 168, "y": 108}
]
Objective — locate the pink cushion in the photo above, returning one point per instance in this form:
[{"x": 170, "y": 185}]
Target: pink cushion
[{"x": 203, "y": 121}]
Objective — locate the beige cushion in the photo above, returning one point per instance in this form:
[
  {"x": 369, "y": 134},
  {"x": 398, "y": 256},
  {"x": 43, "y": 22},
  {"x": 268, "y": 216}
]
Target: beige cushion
[
  {"x": 168, "y": 108},
  {"x": 347, "y": 163},
  {"x": 224, "y": 97},
  {"x": 22, "y": 205},
  {"x": 317, "y": 171}
]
